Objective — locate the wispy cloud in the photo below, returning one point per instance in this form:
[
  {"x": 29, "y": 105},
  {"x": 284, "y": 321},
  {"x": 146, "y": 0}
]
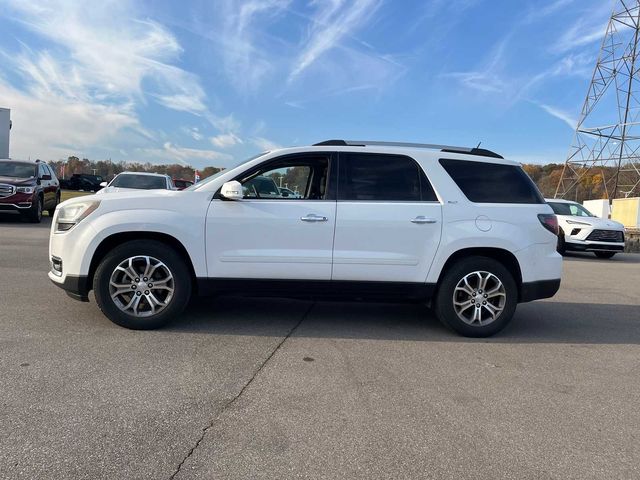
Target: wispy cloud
[
  {"x": 186, "y": 156},
  {"x": 246, "y": 64},
  {"x": 587, "y": 29},
  {"x": 193, "y": 132},
  {"x": 265, "y": 144},
  {"x": 333, "y": 20},
  {"x": 486, "y": 79},
  {"x": 560, "y": 114},
  {"x": 226, "y": 140}
]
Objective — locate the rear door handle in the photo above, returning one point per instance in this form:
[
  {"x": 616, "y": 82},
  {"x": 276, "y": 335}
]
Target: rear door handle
[
  {"x": 312, "y": 217},
  {"x": 423, "y": 219}
]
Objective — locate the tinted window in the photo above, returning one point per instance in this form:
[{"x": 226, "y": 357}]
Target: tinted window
[
  {"x": 378, "y": 177},
  {"x": 142, "y": 182},
  {"x": 575, "y": 209},
  {"x": 16, "y": 169},
  {"x": 483, "y": 182}
]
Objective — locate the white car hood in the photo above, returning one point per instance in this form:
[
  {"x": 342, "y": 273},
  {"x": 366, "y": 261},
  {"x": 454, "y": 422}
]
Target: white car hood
[{"x": 595, "y": 222}]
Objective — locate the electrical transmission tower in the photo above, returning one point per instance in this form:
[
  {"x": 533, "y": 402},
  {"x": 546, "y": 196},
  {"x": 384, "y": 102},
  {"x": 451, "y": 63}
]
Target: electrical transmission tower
[{"x": 607, "y": 137}]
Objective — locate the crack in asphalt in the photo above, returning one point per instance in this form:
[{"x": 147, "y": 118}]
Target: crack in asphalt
[{"x": 242, "y": 390}]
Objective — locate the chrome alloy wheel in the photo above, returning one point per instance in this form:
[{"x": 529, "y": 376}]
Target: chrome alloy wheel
[
  {"x": 141, "y": 286},
  {"x": 479, "y": 298}
]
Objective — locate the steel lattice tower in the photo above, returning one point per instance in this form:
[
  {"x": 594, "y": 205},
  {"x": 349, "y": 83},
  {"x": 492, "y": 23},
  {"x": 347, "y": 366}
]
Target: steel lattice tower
[{"x": 607, "y": 137}]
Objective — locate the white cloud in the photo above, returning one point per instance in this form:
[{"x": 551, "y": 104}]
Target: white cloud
[
  {"x": 265, "y": 144},
  {"x": 225, "y": 140},
  {"x": 100, "y": 66},
  {"x": 52, "y": 127}
]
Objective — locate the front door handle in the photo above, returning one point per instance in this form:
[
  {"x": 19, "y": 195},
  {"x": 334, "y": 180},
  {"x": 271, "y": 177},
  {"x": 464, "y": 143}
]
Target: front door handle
[
  {"x": 312, "y": 217},
  {"x": 423, "y": 219}
]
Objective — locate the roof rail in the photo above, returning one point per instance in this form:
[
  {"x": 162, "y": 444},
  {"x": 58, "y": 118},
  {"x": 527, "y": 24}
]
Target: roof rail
[{"x": 444, "y": 148}]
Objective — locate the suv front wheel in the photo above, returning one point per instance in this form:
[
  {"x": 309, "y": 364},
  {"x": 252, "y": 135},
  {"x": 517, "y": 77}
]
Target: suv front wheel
[
  {"x": 142, "y": 285},
  {"x": 477, "y": 297},
  {"x": 34, "y": 214}
]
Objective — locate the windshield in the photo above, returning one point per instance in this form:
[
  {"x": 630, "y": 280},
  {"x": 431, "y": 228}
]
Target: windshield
[
  {"x": 574, "y": 209},
  {"x": 16, "y": 170},
  {"x": 142, "y": 182},
  {"x": 198, "y": 185}
]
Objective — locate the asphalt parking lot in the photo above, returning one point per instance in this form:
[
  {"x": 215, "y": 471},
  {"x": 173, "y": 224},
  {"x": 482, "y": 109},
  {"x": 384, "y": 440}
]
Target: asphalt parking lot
[{"x": 292, "y": 389}]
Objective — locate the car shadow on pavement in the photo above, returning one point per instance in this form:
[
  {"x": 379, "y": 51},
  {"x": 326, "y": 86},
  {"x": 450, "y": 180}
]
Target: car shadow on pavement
[
  {"x": 537, "y": 322},
  {"x": 17, "y": 221},
  {"x": 590, "y": 257}
]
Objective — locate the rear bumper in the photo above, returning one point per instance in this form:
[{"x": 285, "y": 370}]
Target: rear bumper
[
  {"x": 594, "y": 247},
  {"x": 540, "y": 289},
  {"x": 77, "y": 287}
]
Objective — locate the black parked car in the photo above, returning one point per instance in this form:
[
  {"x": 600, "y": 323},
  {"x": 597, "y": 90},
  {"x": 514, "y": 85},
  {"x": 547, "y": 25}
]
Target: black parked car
[{"x": 82, "y": 181}]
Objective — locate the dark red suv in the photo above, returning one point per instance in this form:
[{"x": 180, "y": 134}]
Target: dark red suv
[{"x": 28, "y": 188}]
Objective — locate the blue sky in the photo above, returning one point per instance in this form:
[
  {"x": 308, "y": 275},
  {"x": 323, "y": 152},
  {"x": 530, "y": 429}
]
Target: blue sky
[{"x": 210, "y": 82}]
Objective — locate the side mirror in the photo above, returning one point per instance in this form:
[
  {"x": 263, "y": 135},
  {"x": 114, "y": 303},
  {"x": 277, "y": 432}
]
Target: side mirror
[
  {"x": 45, "y": 177},
  {"x": 232, "y": 190},
  {"x": 103, "y": 184}
]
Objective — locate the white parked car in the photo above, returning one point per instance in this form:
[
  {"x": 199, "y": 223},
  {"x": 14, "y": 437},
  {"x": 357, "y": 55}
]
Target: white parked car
[
  {"x": 582, "y": 231},
  {"x": 137, "y": 181},
  {"x": 461, "y": 229}
]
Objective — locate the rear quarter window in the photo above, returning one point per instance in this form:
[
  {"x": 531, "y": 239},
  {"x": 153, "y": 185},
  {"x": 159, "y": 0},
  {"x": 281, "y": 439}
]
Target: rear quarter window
[{"x": 483, "y": 182}]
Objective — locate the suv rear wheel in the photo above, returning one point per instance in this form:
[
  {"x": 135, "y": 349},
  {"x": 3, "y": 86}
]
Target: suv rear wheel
[
  {"x": 52, "y": 210},
  {"x": 477, "y": 297},
  {"x": 142, "y": 285}
]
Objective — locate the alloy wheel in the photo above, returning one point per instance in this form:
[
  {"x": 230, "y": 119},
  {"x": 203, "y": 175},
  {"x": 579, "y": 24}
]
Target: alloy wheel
[
  {"x": 479, "y": 298},
  {"x": 141, "y": 286}
]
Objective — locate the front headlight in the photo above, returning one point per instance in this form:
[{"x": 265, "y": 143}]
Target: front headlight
[
  {"x": 575, "y": 222},
  {"x": 24, "y": 189},
  {"x": 70, "y": 215}
]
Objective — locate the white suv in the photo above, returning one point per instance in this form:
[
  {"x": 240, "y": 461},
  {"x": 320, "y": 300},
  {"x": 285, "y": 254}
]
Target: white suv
[
  {"x": 461, "y": 229},
  {"x": 581, "y": 231}
]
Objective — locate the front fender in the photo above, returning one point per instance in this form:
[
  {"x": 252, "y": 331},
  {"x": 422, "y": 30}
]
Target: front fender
[{"x": 187, "y": 228}]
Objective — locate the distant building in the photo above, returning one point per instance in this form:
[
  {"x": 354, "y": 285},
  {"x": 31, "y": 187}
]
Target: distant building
[{"x": 5, "y": 126}]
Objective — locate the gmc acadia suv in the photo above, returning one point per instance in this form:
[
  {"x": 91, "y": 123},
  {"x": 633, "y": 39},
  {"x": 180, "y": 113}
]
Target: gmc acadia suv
[
  {"x": 28, "y": 188},
  {"x": 461, "y": 229}
]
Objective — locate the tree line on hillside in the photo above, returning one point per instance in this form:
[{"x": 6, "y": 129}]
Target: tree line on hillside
[
  {"x": 592, "y": 185},
  {"x": 546, "y": 177},
  {"x": 108, "y": 169}
]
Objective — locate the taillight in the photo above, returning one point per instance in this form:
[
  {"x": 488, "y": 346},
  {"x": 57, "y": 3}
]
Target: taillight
[{"x": 550, "y": 222}]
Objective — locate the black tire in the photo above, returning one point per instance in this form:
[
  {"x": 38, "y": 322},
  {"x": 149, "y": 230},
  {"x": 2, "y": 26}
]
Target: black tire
[
  {"x": 182, "y": 284},
  {"x": 561, "y": 248},
  {"x": 444, "y": 299},
  {"x": 51, "y": 211},
  {"x": 34, "y": 215},
  {"x": 604, "y": 254}
]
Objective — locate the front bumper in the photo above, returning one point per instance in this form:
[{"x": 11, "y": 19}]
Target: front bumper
[
  {"x": 77, "y": 287},
  {"x": 18, "y": 202},
  {"x": 15, "y": 207},
  {"x": 593, "y": 246}
]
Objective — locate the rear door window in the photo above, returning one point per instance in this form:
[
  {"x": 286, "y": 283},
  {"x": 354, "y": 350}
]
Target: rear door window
[
  {"x": 483, "y": 182},
  {"x": 381, "y": 177}
]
